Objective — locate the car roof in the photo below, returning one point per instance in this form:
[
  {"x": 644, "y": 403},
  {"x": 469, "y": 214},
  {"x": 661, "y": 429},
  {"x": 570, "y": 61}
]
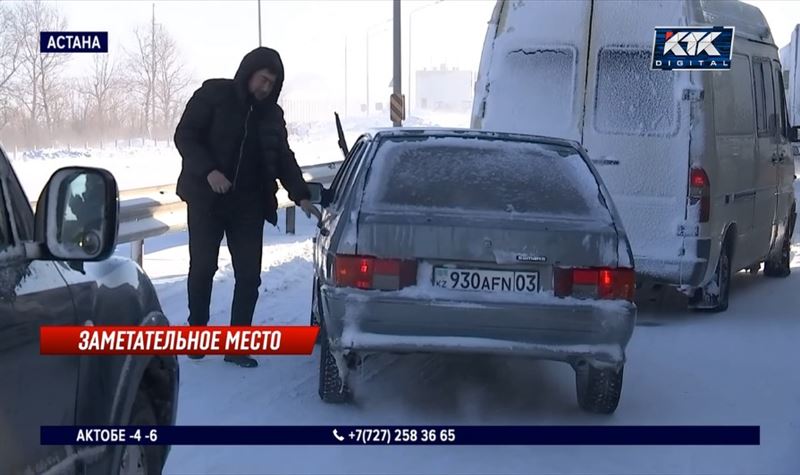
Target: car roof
[{"x": 415, "y": 132}]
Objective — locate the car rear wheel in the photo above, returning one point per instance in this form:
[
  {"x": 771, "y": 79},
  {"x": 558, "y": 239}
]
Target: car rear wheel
[
  {"x": 780, "y": 266},
  {"x": 599, "y": 389},
  {"x": 332, "y": 388},
  {"x": 142, "y": 459}
]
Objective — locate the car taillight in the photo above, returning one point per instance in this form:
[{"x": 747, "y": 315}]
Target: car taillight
[
  {"x": 700, "y": 192},
  {"x": 371, "y": 273},
  {"x": 600, "y": 283}
]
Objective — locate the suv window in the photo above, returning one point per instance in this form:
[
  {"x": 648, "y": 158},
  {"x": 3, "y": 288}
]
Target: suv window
[
  {"x": 6, "y": 237},
  {"x": 18, "y": 206},
  {"x": 21, "y": 209},
  {"x": 342, "y": 178}
]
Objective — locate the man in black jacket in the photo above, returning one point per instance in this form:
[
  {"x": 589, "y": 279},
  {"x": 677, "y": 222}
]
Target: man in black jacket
[{"x": 233, "y": 141}]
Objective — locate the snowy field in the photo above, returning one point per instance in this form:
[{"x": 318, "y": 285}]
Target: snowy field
[
  {"x": 734, "y": 368},
  {"x": 144, "y": 163}
]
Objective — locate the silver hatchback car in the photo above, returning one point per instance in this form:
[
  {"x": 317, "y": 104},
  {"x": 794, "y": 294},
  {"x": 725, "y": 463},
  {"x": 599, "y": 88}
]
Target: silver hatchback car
[{"x": 464, "y": 241}]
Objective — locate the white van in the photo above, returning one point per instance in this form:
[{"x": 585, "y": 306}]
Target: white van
[{"x": 698, "y": 163}]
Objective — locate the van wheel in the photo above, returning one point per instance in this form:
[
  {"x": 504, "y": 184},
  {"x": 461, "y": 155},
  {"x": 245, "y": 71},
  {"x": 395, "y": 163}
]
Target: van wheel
[
  {"x": 781, "y": 265},
  {"x": 332, "y": 389},
  {"x": 714, "y": 296},
  {"x": 598, "y": 390},
  {"x": 142, "y": 459}
]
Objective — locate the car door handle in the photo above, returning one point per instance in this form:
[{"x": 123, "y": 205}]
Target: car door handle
[{"x": 323, "y": 231}]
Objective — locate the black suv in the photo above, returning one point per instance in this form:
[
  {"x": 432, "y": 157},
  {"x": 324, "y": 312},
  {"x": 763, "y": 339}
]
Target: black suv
[{"x": 57, "y": 268}]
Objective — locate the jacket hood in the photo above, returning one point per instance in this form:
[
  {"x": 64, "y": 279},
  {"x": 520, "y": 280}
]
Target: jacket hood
[{"x": 260, "y": 58}]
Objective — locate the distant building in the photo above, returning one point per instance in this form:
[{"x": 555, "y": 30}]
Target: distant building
[
  {"x": 444, "y": 89},
  {"x": 790, "y": 61}
]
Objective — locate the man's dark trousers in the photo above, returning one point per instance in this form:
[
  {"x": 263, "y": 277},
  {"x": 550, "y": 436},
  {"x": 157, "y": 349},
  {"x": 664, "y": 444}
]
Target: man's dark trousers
[{"x": 240, "y": 219}]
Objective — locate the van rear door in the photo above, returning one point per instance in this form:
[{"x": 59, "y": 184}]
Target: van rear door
[{"x": 636, "y": 129}]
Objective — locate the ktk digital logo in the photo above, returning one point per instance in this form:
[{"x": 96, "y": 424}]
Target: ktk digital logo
[
  {"x": 73, "y": 42},
  {"x": 693, "y": 48}
]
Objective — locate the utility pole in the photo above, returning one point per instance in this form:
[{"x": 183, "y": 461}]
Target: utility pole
[
  {"x": 345, "y": 76},
  {"x": 259, "y": 23},
  {"x": 397, "y": 73},
  {"x": 367, "y": 73},
  {"x": 153, "y": 75}
]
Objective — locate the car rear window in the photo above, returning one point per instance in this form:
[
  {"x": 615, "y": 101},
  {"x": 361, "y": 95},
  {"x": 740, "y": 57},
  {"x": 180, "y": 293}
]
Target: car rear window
[{"x": 482, "y": 175}]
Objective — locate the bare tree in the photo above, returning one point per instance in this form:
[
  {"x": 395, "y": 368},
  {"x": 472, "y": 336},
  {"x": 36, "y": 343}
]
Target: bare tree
[
  {"x": 98, "y": 89},
  {"x": 142, "y": 74},
  {"x": 40, "y": 82},
  {"x": 10, "y": 46},
  {"x": 171, "y": 79}
]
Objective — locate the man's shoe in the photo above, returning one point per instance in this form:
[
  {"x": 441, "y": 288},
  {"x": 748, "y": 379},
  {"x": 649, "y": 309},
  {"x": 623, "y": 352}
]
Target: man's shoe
[
  {"x": 196, "y": 357},
  {"x": 241, "y": 360}
]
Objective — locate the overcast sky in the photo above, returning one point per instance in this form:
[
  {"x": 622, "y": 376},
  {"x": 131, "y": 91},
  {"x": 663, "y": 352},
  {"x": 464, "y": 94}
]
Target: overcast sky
[{"x": 311, "y": 35}]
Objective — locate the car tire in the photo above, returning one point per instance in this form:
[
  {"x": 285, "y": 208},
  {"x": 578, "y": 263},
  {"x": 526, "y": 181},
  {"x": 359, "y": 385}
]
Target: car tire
[
  {"x": 722, "y": 280},
  {"x": 598, "y": 389},
  {"x": 142, "y": 459},
  {"x": 780, "y": 267},
  {"x": 332, "y": 389}
]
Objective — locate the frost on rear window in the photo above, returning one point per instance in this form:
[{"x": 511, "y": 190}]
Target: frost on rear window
[
  {"x": 531, "y": 91},
  {"x": 481, "y": 175},
  {"x": 632, "y": 99}
]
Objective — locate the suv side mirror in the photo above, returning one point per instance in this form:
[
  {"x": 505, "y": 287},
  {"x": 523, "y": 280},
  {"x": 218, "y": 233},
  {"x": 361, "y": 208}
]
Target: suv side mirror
[
  {"x": 76, "y": 215},
  {"x": 794, "y": 133}
]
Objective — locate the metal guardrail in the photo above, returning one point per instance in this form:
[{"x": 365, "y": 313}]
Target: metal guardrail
[{"x": 156, "y": 210}]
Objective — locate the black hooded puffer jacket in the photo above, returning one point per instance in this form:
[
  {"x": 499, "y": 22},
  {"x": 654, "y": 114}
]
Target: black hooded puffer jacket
[{"x": 211, "y": 132}]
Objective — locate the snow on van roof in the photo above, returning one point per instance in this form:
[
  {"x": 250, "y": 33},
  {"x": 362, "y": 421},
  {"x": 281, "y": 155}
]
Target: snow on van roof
[{"x": 747, "y": 19}]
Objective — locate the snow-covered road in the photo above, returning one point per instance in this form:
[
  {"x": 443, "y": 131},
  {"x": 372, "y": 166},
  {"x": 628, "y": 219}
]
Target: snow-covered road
[{"x": 739, "y": 367}]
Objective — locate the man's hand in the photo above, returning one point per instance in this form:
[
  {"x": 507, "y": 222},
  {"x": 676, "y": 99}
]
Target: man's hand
[
  {"x": 219, "y": 182},
  {"x": 310, "y": 209}
]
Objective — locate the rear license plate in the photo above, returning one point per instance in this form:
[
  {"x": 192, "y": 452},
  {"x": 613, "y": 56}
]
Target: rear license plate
[{"x": 481, "y": 280}]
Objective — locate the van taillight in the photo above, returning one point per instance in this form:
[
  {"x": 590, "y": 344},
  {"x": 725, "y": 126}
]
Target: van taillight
[
  {"x": 371, "y": 273},
  {"x": 599, "y": 283},
  {"x": 700, "y": 192}
]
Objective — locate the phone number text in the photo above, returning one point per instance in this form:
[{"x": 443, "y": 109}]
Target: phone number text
[{"x": 403, "y": 436}]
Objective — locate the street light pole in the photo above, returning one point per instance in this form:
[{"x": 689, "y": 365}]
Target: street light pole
[
  {"x": 259, "y": 23},
  {"x": 397, "y": 73},
  {"x": 410, "y": 41}
]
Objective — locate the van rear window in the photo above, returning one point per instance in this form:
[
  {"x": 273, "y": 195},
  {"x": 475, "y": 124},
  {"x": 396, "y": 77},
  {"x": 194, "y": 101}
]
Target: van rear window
[
  {"x": 482, "y": 175},
  {"x": 532, "y": 91},
  {"x": 632, "y": 99}
]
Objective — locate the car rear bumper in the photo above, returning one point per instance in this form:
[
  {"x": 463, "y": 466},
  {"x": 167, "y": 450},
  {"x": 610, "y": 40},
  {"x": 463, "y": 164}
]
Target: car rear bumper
[{"x": 567, "y": 330}]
